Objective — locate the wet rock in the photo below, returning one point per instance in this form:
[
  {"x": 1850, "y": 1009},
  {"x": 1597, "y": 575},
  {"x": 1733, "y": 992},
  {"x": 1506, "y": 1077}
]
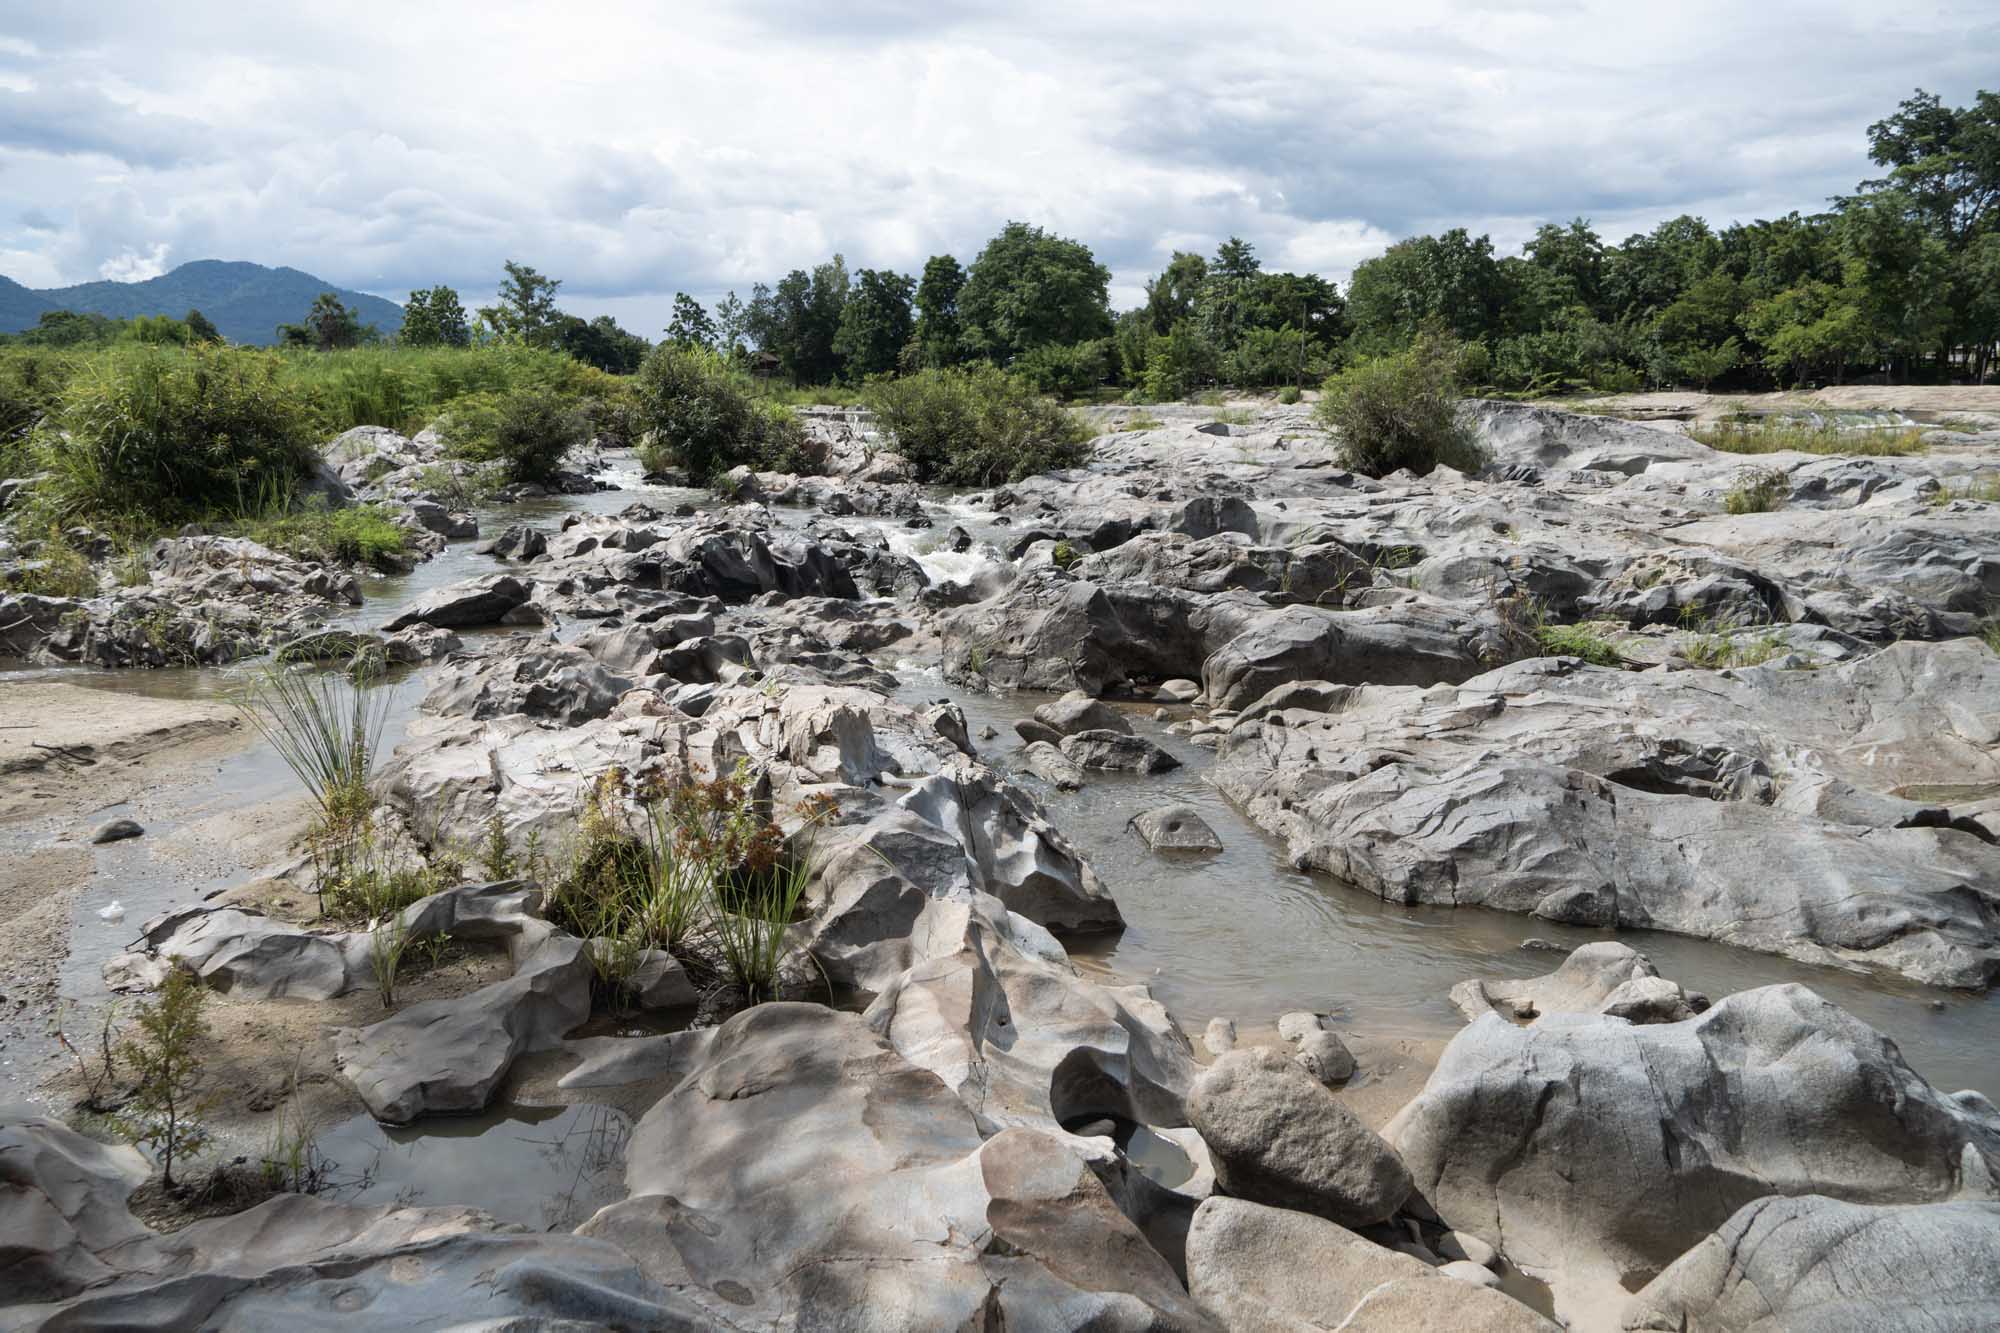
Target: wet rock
[
  {"x": 518, "y": 542},
  {"x": 1117, "y": 751},
  {"x": 1816, "y": 1262},
  {"x": 1326, "y": 1057},
  {"x": 1279, "y": 1137},
  {"x": 450, "y": 1055},
  {"x": 420, "y": 643},
  {"x": 1178, "y": 691},
  {"x": 1077, "y": 711},
  {"x": 117, "y": 831},
  {"x": 1175, "y": 828},
  {"x": 62, "y": 1207},
  {"x": 434, "y": 517},
  {"x": 1596, "y": 1152},
  {"x": 1262, "y": 1268},
  {"x": 874, "y": 1188},
  {"x": 468, "y": 604},
  {"x": 660, "y": 982},
  {"x": 559, "y": 682},
  {"x": 1219, "y": 1036},
  {"x": 1036, "y": 732}
]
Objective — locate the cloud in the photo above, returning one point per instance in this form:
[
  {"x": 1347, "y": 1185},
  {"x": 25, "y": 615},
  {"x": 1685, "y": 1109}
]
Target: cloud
[
  {"x": 128, "y": 265},
  {"x": 643, "y": 150}
]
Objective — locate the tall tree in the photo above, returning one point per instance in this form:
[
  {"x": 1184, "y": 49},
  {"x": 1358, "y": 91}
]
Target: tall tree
[
  {"x": 526, "y": 308},
  {"x": 1170, "y": 297},
  {"x": 1028, "y": 288},
  {"x": 940, "y": 333},
  {"x": 691, "y": 326},
  {"x": 875, "y": 323},
  {"x": 731, "y": 324},
  {"x": 600, "y": 342},
  {"x": 201, "y": 328},
  {"x": 1946, "y": 159},
  {"x": 434, "y": 317},
  {"x": 327, "y": 326}
]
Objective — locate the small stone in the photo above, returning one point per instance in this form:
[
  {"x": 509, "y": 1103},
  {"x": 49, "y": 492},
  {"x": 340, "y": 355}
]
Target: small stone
[
  {"x": 1326, "y": 1058},
  {"x": 1175, "y": 828},
  {"x": 1537, "y": 942},
  {"x": 1219, "y": 1036},
  {"x": 117, "y": 831},
  {"x": 1463, "y": 1245},
  {"x": 1178, "y": 692},
  {"x": 988, "y": 732},
  {"x": 1466, "y": 1271}
]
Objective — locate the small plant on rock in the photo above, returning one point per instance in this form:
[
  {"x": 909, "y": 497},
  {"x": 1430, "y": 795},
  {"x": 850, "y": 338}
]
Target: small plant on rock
[
  {"x": 168, "y": 1105},
  {"x": 1758, "y": 491}
]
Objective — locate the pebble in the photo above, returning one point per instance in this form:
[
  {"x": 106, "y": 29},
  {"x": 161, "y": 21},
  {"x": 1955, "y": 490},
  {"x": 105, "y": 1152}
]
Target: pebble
[
  {"x": 1220, "y": 1036},
  {"x": 1466, "y": 1271}
]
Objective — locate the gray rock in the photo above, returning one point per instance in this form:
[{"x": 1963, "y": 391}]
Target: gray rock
[
  {"x": 1604, "y": 976},
  {"x": 1820, "y": 1263},
  {"x": 62, "y": 1207},
  {"x": 117, "y": 831},
  {"x": 1117, "y": 751},
  {"x": 1595, "y": 1152},
  {"x": 559, "y": 682},
  {"x": 1077, "y": 711},
  {"x": 1036, "y": 732},
  {"x": 1275, "y": 1271},
  {"x": 1178, "y": 691},
  {"x": 1175, "y": 828},
  {"x": 1455, "y": 1245},
  {"x": 1052, "y": 766},
  {"x": 1219, "y": 1036},
  {"x": 1465, "y": 1271},
  {"x": 468, "y": 604},
  {"x": 1278, "y": 1136},
  {"x": 1326, "y": 1057}
]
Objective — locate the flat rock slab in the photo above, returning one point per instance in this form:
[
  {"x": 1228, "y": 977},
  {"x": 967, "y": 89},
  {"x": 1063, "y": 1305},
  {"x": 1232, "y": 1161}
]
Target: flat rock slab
[{"x": 1175, "y": 828}]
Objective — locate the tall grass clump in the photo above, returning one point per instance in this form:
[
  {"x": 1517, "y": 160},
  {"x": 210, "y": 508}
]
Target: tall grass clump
[
  {"x": 404, "y": 388},
  {"x": 326, "y": 726},
  {"x": 1401, "y": 411},
  {"x": 176, "y": 433},
  {"x": 1774, "y": 436},
  {"x": 32, "y": 380},
  {"x": 702, "y": 413},
  {"x": 54, "y": 568},
  {"x": 1758, "y": 491},
  {"x": 976, "y": 426}
]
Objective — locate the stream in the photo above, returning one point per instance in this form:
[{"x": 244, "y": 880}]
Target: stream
[{"x": 1237, "y": 934}]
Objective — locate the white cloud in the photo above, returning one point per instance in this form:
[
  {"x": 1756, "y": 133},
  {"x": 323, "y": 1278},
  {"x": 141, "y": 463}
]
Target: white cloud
[
  {"x": 128, "y": 265},
  {"x": 634, "y": 149}
]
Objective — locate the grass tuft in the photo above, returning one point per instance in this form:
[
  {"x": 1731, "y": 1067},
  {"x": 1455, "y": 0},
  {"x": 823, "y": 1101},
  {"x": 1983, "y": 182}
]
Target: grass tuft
[{"x": 1771, "y": 436}]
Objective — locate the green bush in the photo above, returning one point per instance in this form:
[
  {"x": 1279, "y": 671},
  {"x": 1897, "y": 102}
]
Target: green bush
[
  {"x": 173, "y": 433},
  {"x": 703, "y": 414},
  {"x": 363, "y": 534},
  {"x": 1289, "y": 394},
  {"x": 976, "y": 426},
  {"x": 1759, "y": 491},
  {"x": 54, "y": 569},
  {"x": 528, "y": 432},
  {"x": 1401, "y": 411},
  {"x": 31, "y": 386},
  {"x": 1065, "y": 369}
]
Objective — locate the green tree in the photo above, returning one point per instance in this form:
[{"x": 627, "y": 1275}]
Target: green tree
[
  {"x": 1170, "y": 297},
  {"x": 691, "y": 325},
  {"x": 167, "y": 1107},
  {"x": 526, "y": 308},
  {"x": 940, "y": 332},
  {"x": 730, "y": 324},
  {"x": 201, "y": 329},
  {"x": 799, "y": 319},
  {"x": 327, "y": 327},
  {"x": 600, "y": 342},
  {"x": 1946, "y": 159},
  {"x": 1028, "y": 288},
  {"x": 875, "y": 323},
  {"x": 1449, "y": 282},
  {"x": 1224, "y": 296},
  {"x": 434, "y": 317},
  {"x": 1401, "y": 411},
  {"x": 69, "y": 328}
]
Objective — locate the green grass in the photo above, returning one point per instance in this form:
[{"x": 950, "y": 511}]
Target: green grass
[
  {"x": 1769, "y": 436},
  {"x": 326, "y": 726},
  {"x": 1983, "y": 489},
  {"x": 1758, "y": 491},
  {"x": 56, "y": 569},
  {"x": 1142, "y": 422},
  {"x": 1989, "y": 632},
  {"x": 359, "y": 535},
  {"x": 1578, "y": 641},
  {"x": 1722, "y": 648},
  {"x": 1235, "y": 416}
]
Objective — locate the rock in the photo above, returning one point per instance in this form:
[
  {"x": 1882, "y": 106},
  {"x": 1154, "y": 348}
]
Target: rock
[
  {"x": 1277, "y": 1136},
  {"x": 1459, "y": 1245},
  {"x": 1036, "y": 732},
  {"x": 1077, "y": 711},
  {"x": 1175, "y": 828},
  {"x": 1117, "y": 751},
  {"x": 450, "y": 1055},
  {"x": 660, "y": 982},
  {"x": 1477, "y": 1274},
  {"x": 560, "y": 682},
  {"x": 518, "y": 542},
  {"x": 1326, "y": 1057},
  {"x": 1268, "y": 1269},
  {"x": 1219, "y": 1036},
  {"x": 1600, "y": 1150},
  {"x": 1417, "y": 644},
  {"x": 1820, "y": 1263},
  {"x": 117, "y": 831},
  {"x": 62, "y": 1207},
  {"x": 873, "y": 1189},
  {"x": 467, "y": 604},
  {"x": 1178, "y": 691},
  {"x": 1052, "y": 766},
  {"x": 1601, "y": 977}
]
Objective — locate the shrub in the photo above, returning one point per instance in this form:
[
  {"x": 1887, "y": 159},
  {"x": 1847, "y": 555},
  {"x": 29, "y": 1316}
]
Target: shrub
[
  {"x": 703, "y": 414},
  {"x": 56, "y": 569},
  {"x": 326, "y": 726},
  {"x": 1577, "y": 641},
  {"x": 1065, "y": 369},
  {"x": 31, "y": 386},
  {"x": 360, "y": 534},
  {"x": 1758, "y": 491},
  {"x": 1289, "y": 394},
  {"x": 1401, "y": 411},
  {"x": 976, "y": 426},
  {"x": 167, "y": 1107},
  {"x": 173, "y": 433},
  {"x": 527, "y": 432}
]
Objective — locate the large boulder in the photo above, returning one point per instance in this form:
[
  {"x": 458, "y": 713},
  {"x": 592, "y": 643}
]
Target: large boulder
[
  {"x": 1593, "y": 1152},
  {"x": 872, "y": 1191},
  {"x": 468, "y": 604},
  {"x": 1821, "y": 1263},
  {"x": 558, "y": 682},
  {"x": 1271, "y": 1270},
  {"x": 1279, "y": 1137},
  {"x": 1603, "y": 977}
]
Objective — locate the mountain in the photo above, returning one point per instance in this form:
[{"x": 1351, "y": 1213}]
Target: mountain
[
  {"x": 246, "y": 301},
  {"x": 20, "y": 306}
]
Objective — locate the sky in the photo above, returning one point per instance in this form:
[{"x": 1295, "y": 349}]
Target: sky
[{"x": 636, "y": 150}]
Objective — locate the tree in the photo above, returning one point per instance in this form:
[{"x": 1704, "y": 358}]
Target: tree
[
  {"x": 731, "y": 317},
  {"x": 940, "y": 333},
  {"x": 1028, "y": 288},
  {"x": 691, "y": 326},
  {"x": 1170, "y": 297},
  {"x": 1705, "y": 365},
  {"x": 602, "y": 343},
  {"x": 1449, "y": 282},
  {"x": 799, "y": 319},
  {"x": 434, "y": 317},
  {"x": 167, "y": 1107},
  {"x": 329, "y": 325},
  {"x": 1401, "y": 411},
  {"x": 526, "y": 308},
  {"x": 875, "y": 323},
  {"x": 69, "y": 328},
  {"x": 1947, "y": 160},
  {"x": 201, "y": 328},
  {"x": 1225, "y": 292}
]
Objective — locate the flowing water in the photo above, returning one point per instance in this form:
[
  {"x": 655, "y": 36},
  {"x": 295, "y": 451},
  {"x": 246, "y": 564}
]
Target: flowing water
[{"x": 1239, "y": 933}]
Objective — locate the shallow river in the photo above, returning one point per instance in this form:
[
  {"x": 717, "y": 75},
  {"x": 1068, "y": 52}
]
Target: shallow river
[{"x": 1238, "y": 934}]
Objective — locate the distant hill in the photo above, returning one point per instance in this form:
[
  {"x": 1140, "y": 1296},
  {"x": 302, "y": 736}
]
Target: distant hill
[
  {"x": 20, "y": 306},
  {"x": 246, "y": 301}
]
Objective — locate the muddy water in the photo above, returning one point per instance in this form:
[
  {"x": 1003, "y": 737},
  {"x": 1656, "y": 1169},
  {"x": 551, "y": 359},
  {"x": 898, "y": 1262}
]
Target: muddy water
[{"x": 1238, "y": 934}]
